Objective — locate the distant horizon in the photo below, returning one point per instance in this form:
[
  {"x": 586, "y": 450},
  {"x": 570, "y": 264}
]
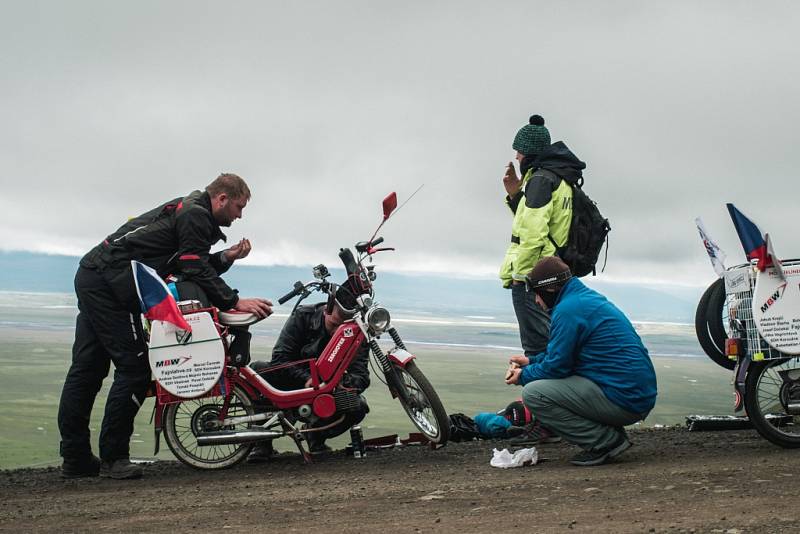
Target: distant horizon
[
  {"x": 459, "y": 275},
  {"x": 428, "y": 293}
]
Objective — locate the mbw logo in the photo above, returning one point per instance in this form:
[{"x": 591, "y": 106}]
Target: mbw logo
[
  {"x": 773, "y": 298},
  {"x": 173, "y": 361}
]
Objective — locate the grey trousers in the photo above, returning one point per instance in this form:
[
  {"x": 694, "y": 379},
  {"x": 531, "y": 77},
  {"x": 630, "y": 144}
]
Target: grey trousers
[
  {"x": 534, "y": 322},
  {"x": 576, "y": 409}
]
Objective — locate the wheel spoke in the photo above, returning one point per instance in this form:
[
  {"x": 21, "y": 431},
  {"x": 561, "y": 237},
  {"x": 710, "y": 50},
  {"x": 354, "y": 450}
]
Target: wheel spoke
[
  {"x": 422, "y": 416},
  {"x": 768, "y": 395},
  {"x": 197, "y": 415}
]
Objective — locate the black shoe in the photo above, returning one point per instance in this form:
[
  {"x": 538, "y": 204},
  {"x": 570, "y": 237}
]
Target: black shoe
[
  {"x": 599, "y": 457},
  {"x": 121, "y": 469},
  {"x": 81, "y": 468},
  {"x": 261, "y": 453},
  {"x": 319, "y": 449},
  {"x": 515, "y": 431},
  {"x": 534, "y": 434}
]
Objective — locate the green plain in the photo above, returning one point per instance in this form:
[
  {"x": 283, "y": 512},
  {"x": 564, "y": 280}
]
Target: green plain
[{"x": 33, "y": 364}]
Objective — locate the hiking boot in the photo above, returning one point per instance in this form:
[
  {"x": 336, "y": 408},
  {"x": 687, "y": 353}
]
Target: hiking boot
[
  {"x": 121, "y": 469},
  {"x": 536, "y": 433},
  {"x": 80, "y": 468},
  {"x": 515, "y": 431},
  {"x": 601, "y": 456},
  {"x": 261, "y": 453}
]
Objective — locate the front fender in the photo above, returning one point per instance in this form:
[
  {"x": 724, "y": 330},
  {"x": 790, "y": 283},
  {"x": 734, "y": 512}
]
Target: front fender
[
  {"x": 157, "y": 418},
  {"x": 401, "y": 357},
  {"x": 738, "y": 384}
]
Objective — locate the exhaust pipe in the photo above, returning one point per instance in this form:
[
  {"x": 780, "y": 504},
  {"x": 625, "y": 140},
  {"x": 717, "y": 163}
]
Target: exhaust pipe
[{"x": 232, "y": 437}]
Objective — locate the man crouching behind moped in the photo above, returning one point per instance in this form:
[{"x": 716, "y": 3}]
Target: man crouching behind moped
[{"x": 304, "y": 336}]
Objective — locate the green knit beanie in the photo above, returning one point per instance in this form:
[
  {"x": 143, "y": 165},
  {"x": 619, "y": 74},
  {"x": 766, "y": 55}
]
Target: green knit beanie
[{"x": 532, "y": 138}]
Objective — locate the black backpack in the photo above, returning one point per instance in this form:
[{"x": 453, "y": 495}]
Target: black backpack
[
  {"x": 463, "y": 428},
  {"x": 587, "y": 234}
]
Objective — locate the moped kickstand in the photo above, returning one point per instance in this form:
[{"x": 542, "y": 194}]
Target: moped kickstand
[{"x": 297, "y": 437}]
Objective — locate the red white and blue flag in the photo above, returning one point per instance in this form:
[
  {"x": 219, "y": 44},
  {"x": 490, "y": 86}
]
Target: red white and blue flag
[
  {"x": 155, "y": 299},
  {"x": 757, "y": 246},
  {"x": 715, "y": 254}
]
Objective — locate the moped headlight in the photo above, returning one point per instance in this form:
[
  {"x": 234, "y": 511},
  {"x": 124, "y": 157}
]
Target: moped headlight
[{"x": 378, "y": 319}]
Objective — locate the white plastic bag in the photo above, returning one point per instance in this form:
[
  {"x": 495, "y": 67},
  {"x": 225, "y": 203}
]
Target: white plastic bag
[{"x": 504, "y": 459}]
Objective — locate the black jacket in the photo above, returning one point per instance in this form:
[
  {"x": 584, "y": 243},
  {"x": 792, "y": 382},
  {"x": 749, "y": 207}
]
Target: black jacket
[
  {"x": 562, "y": 164},
  {"x": 560, "y": 160},
  {"x": 174, "y": 238},
  {"x": 304, "y": 337}
]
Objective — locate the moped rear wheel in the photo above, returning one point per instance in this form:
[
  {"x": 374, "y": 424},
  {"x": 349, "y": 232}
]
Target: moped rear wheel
[
  {"x": 770, "y": 387},
  {"x": 185, "y": 420},
  {"x": 423, "y": 405}
]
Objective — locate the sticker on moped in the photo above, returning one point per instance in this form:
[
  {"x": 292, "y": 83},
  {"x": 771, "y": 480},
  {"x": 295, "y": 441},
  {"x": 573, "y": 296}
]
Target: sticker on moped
[
  {"x": 776, "y": 309},
  {"x": 737, "y": 280},
  {"x": 191, "y": 368}
]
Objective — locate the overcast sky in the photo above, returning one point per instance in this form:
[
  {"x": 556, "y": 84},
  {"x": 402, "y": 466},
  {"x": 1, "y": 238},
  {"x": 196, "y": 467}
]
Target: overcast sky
[{"x": 110, "y": 108}]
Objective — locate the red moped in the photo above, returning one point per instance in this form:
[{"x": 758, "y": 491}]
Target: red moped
[{"x": 218, "y": 427}]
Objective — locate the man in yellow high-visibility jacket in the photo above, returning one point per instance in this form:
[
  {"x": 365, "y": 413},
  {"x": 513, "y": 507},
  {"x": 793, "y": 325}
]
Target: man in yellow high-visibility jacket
[{"x": 541, "y": 202}]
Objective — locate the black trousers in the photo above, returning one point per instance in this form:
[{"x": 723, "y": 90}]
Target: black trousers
[
  {"x": 105, "y": 332},
  {"x": 534, "y": 322},
  {"x": 281, "y": 380},
  {"x": 351, "y": 417}
]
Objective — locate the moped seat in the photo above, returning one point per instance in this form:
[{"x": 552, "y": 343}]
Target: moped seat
[{"x": 237, "y": 318}]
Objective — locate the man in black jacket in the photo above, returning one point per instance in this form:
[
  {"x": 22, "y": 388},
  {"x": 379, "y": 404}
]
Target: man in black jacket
[
  {"x": 304, "y": 336},
  {"x": 174, "y": 238}
]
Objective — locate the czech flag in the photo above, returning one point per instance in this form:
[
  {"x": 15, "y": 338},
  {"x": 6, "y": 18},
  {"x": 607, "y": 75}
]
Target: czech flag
[
  {"x": 155, "y": 299},
  {"x": 753, "y": 241}
]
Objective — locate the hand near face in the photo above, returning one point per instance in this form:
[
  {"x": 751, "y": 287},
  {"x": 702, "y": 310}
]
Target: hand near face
[
  {"x": 511, "y": 181},
  {"x": 238, "y": 251}
]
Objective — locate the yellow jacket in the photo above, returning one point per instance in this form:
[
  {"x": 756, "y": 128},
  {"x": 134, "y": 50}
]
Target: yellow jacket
[{"x": 542, "y": 208}]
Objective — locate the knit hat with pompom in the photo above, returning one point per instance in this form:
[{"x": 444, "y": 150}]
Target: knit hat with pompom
[{"x": 532, "y": 138}]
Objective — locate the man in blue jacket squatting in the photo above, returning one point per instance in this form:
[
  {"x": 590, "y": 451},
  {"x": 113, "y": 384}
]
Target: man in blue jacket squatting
[{"x": 595, "y": 376}]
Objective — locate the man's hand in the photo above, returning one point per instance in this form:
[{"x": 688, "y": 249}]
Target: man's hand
[
  {"x": 520, "y": 360},
  {"x": 511, "y": 181},
  {"x": 515, "y": 365},
  {"x": 513, "y": 376},
  {"x": 238, "y": 251},
  {"x": 259, "y": 307},
  {"x": 309, "y": 382},
  {"x": 509, "y": 371}
]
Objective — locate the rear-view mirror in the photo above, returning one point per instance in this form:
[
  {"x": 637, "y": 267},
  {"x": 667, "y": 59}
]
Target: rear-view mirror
[{"x": 389, "y": 204}]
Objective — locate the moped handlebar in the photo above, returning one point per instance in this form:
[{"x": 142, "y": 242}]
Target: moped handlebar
[
  {"x": 298, "y": 288},
  {"x": 350, "y": 265},
  {"x": 368, "y": 247}
]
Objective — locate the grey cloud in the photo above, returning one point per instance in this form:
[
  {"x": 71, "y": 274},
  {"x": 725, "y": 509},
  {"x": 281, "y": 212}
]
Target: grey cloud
[{"x": 326, "y": 107}]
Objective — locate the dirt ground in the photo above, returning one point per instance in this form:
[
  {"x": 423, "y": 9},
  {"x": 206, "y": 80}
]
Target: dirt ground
[{"x": 672, "y": 480}]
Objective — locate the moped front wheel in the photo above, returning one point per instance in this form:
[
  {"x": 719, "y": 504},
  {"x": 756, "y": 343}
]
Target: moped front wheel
[
  {"x": 772, "y": 400},
  {"x": 422, "y": 404},
  {"x": 184, "y": 421}
]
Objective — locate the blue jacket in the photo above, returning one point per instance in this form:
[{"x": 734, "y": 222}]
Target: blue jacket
[
  {"x": 592, "y": 338},
  {"x": 491, "y": 425}
]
